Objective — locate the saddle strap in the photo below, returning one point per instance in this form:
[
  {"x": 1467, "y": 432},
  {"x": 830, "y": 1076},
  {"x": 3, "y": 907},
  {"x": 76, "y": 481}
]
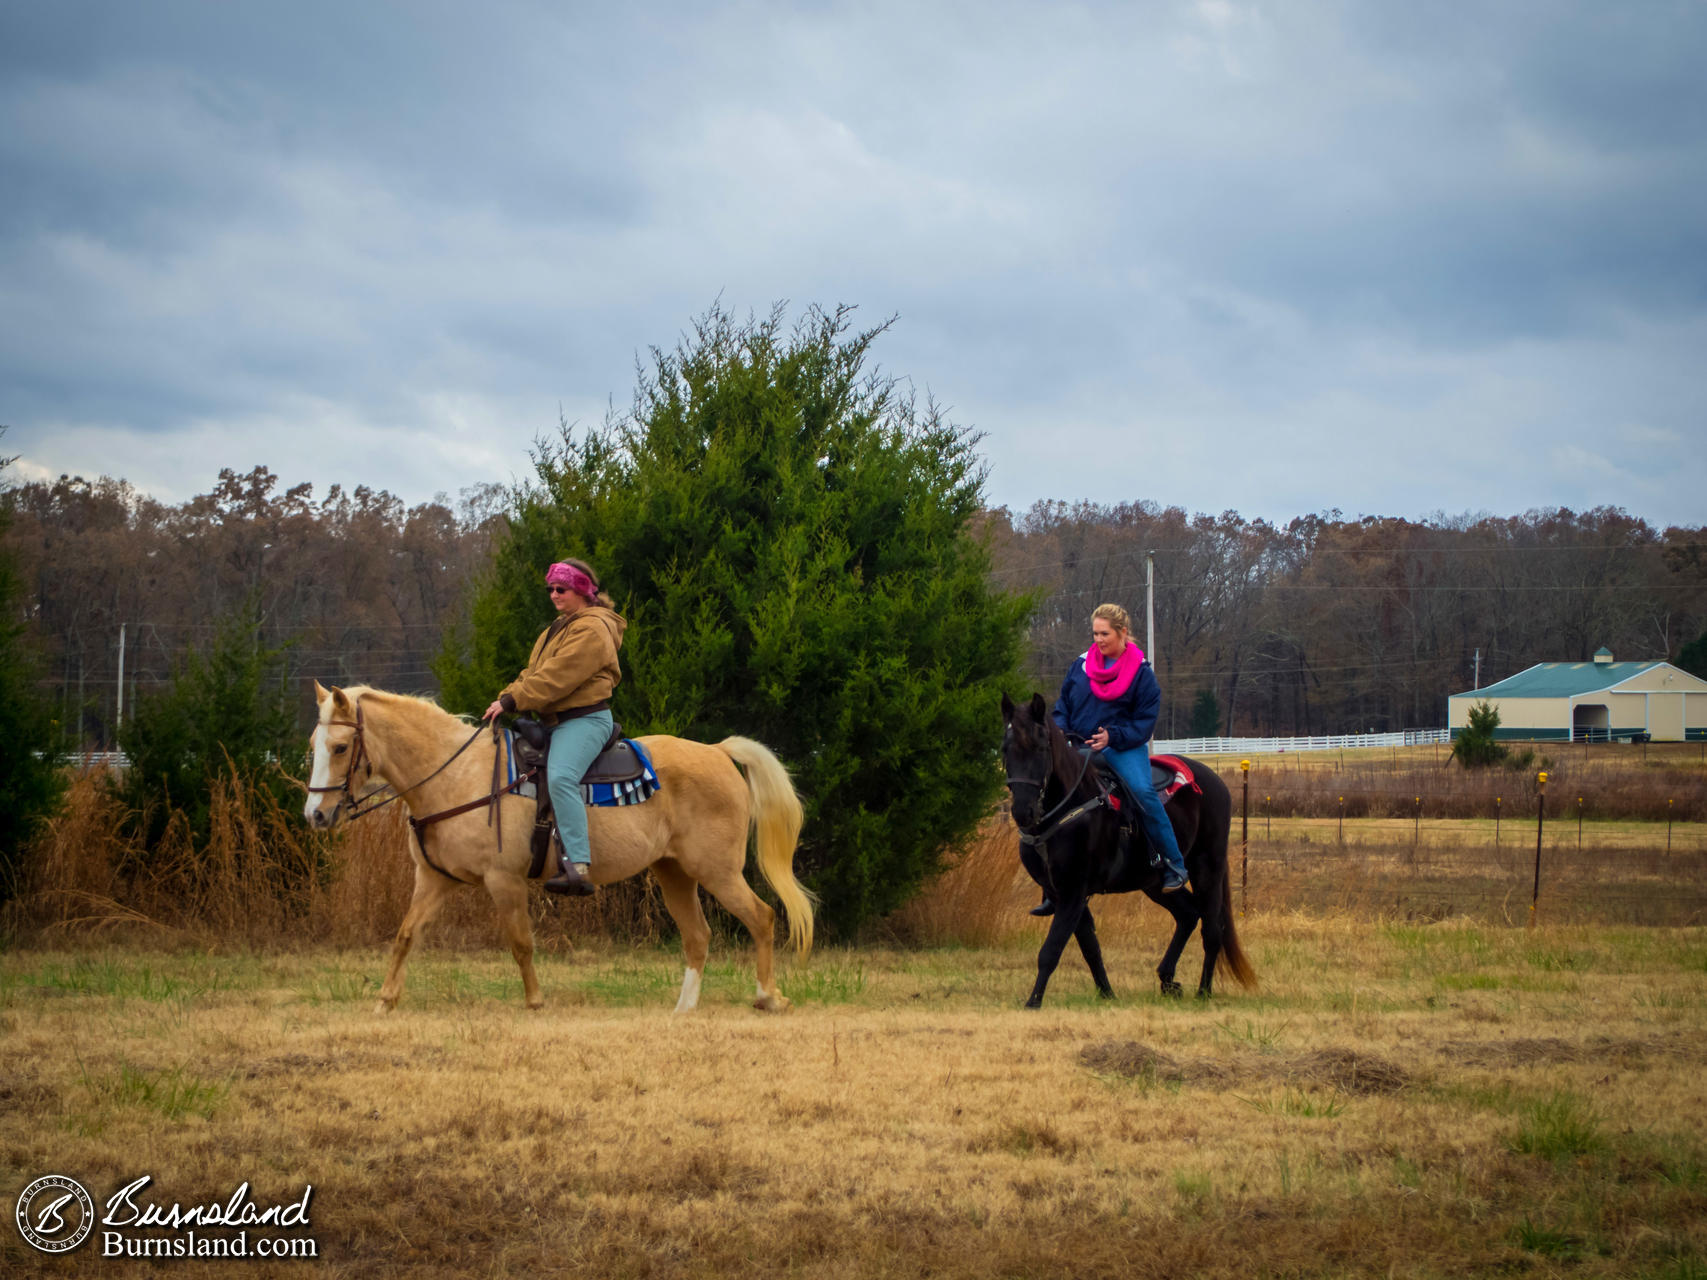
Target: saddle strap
[{"x": 419, "y": 825}]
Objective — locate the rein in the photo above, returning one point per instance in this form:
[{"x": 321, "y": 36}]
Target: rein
[
  {"x": 1055, "y": 820},
  {"x": 361, "y": 753}
]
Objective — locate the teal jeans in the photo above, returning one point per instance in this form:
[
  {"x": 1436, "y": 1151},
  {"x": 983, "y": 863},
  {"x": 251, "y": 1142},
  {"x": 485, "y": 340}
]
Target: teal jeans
[{"x": 575, "y": 744}]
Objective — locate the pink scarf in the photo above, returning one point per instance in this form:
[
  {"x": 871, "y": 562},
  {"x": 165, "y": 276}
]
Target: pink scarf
[{"x": 1110, "y": 680}]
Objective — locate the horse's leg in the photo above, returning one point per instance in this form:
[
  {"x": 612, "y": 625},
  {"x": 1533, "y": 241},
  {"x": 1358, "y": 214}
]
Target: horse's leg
[
  {"x": 1209, "y": 894},
  {"x": 733, "y": 891},
  {"x": 510, "y": 897},
  {"x": 681, "y": 898},
  {"x": 1091, "y": 949},
  {"x": 431, "y": 890},
  {"x": 1183, "y": 908},
  {"x": 1062, "y": 926}
]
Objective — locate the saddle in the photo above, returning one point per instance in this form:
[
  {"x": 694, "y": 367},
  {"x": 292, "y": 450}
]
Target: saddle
[
  {"x": 1168, "y": 775},
  {"x": 616, "y": 764}
]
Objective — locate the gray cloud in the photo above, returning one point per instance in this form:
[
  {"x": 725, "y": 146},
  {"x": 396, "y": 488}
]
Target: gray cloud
[{"x": 1271, "y": 257}]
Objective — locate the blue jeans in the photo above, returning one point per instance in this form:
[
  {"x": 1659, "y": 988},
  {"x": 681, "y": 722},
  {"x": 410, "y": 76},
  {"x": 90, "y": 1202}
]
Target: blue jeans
[
  {"x": 575, "y": 744},
  {"x": 1133, "y": 766}
]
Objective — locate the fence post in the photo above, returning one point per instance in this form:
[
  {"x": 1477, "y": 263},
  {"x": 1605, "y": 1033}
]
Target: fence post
[
  {"x": 1579, "y": 824},
  {"x": 1498, "y": 801},
  {"x": 1244, "y": 833},
  {"x": 1342, "y": 819},
  {"x": 1540, "y": 815},
  {"x": 1416, "y": 824},
  {"x": 1668, "y": 828}
]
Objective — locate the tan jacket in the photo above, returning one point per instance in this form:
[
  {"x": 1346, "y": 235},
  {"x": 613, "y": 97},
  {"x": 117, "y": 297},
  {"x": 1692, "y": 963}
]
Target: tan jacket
[{"x": 573, "y": 663}]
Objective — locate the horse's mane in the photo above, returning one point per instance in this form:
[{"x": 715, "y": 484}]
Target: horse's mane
[{"x": 357, "y": 692}]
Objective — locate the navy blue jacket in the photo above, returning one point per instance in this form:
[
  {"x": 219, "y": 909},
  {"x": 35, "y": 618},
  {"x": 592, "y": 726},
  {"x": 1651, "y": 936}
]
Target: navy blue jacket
[{"x": 1130, "y": 719}]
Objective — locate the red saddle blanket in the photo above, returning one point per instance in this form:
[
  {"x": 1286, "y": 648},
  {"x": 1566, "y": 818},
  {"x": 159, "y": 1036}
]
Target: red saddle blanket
[{"x": 1179, "y": 775}]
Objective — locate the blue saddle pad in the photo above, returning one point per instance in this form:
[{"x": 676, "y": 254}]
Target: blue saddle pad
[{"x": 605, "y": 795}]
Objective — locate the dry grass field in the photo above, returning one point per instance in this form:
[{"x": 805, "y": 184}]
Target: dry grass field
[
  {"x": 1431, "y": 1080},
  {"x": 1398, "y": 1099}
]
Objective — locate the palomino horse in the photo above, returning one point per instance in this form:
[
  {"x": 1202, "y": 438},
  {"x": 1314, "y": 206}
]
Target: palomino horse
[
  {"x": 1070, "y": 846},
  {"x": 692, "y": 832}
]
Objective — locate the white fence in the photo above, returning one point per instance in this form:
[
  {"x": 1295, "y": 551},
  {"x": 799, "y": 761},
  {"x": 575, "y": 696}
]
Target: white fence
[{"x": 1270, "y": 746}]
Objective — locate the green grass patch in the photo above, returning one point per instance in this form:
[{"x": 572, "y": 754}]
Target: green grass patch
[
  {"x": 125, "y": 978},
  {"x": 838, "y": 982},
  {"x": 173, "y": 1093},
  {"x": 1298, "y": 1102},
  {"x": 1557, "y": 1127},
  {"x": 1548, "y": 1243}
]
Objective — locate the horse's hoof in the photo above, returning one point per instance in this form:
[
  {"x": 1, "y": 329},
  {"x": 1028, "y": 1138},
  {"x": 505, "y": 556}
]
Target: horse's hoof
[
  {"x": 534, "y": 1006},
  {"x": 1034, "y": 1003},
  {"x": 384, "y": 1005},
  {"x": 772, "y": 1004},
  {"x": 1203, "y": 993},
  {"x": 1107, "y": 993},
  {"x": 1173, "y": 990}
]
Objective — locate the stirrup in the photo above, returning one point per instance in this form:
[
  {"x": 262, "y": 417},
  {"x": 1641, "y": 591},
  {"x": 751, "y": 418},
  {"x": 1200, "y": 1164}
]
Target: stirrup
[
  {"x": 570, "y": 879},
  {"x": 1044, "y": 908}
]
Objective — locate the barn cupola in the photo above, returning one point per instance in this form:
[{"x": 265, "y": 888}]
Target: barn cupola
[{"x": 1603, "y": 654}]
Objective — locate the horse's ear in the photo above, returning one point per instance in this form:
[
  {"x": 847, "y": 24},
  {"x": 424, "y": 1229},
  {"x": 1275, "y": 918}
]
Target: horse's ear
[
  {"x": 1007, "y": 708},
  {"x": 320, "y": 693},
  {"x": 1039, "y": 708},
  {"x": 339, "y": 701}
]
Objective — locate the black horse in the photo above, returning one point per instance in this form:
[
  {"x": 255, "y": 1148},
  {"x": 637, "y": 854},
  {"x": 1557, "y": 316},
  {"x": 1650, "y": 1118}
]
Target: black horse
[{"x": 1071, "y": 846}]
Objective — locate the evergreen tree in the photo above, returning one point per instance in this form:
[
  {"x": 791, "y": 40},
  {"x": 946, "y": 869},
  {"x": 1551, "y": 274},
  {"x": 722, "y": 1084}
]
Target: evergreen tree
[
  {"x": 31, "y": 781},
  {"x": 1205, "y": 715},
  {"x": 1477, "y": 744},
  {"x": 229, "y": 708},
  {"x": 791, "y": 538},
  {"x": 1693, "y": 656}
]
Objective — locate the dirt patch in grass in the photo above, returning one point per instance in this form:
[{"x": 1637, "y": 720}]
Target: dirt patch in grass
[
  {"x": 1344, "y": 1069},
  {"x": 1133, "y": 1061}
]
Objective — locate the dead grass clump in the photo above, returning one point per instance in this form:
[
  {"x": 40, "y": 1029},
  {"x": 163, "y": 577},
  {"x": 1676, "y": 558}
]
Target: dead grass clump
[
  {"x": 1349, "y": 1071},
  {"x": 1036, "y": 1137},
  {"x": 1130, "y": 1059}
]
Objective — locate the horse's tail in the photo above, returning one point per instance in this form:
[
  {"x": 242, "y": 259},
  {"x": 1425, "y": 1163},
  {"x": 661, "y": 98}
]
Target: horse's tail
[
  {"x": 1231, "y": 951},
  {"x": 776, "y": 820}
]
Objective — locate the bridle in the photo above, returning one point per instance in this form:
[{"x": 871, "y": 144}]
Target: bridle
[
  {"x": 359, "y": 755},
  {"x": 1039, "y": 832}
]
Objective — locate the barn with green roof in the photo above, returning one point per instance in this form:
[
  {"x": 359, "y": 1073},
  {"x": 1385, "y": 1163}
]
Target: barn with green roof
[{"x": 1592, "y": 701}]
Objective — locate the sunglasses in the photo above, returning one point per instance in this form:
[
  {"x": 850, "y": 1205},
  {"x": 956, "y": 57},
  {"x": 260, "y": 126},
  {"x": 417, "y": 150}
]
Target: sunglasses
[{"x": 558, "y": 591}]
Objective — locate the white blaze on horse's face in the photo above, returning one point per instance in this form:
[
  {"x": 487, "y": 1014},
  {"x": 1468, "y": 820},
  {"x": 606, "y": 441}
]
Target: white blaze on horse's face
[{"x": 331, "y": 748}]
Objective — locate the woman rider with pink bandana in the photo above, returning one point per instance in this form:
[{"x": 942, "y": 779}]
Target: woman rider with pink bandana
[
  {"x": 1110, "y": 700},
  {"x": 567, "y": 685}
]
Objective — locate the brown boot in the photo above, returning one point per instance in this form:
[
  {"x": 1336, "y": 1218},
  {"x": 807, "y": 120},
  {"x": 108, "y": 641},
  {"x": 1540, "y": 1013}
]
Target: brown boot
[{"x": 570, "y": 879}]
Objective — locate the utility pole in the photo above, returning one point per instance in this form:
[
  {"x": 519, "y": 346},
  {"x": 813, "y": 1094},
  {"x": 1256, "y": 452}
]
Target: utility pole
[
  {"x": 1478, "y": 683},
  {"x": 118, "y": 720},
  {"x": 1150, "y": 606}
]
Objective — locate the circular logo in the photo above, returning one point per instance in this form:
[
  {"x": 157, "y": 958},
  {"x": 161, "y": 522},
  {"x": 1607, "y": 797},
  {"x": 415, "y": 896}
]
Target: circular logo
[{"x": 55, "y": 1214}]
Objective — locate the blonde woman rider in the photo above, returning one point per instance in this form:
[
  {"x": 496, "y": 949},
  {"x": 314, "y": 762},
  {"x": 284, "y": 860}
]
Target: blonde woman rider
[
  {"x": 1110, "y": 700},
  {"x": 567, "y": 685}
]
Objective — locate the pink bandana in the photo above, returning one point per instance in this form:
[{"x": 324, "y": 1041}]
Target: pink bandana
[
  {"x": 567, "y": 575},
  {"x": 1110, "y": 680}
]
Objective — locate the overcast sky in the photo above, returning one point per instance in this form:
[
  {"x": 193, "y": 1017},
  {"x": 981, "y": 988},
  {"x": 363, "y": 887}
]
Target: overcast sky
[{"x": 1393, "y": 258}]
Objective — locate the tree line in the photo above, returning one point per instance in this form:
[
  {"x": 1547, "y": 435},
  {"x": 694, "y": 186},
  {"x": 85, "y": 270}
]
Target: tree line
[
  {"x": 353, "y": 586},
  {"x": 804, "y": 553},
  {"x": 1335, "y": 625},
  {"x": 1322, "y": 625}
]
